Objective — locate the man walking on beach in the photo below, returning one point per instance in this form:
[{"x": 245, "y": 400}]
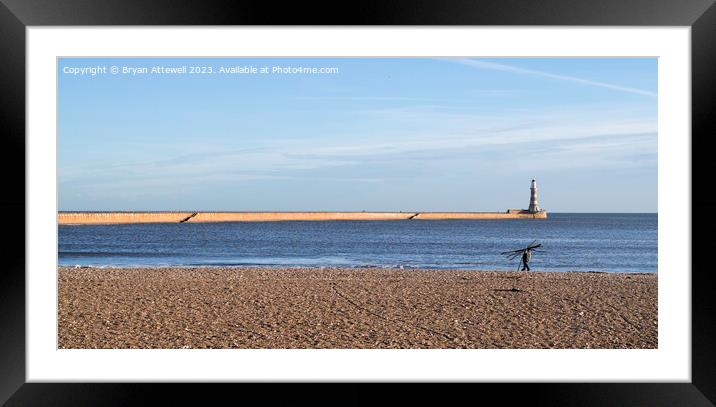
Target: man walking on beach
[{"x": 526, "y": 257}]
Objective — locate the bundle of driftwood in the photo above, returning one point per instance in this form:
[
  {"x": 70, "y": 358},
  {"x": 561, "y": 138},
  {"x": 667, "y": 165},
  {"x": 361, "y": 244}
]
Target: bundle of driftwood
[{"x": 513, "y": 254}]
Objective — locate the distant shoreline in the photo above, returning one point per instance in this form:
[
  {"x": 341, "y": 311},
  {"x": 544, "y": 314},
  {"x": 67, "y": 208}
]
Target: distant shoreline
[{"x": 293, "y": 308}]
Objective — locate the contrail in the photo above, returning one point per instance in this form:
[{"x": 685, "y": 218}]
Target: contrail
[{"x": 523, "y": 71}]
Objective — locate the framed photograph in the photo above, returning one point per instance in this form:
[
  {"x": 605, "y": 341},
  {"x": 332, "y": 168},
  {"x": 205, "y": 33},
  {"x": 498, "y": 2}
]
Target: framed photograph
[{"x": 451, "y": 193}]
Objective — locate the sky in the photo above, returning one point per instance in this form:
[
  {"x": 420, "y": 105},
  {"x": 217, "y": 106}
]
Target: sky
[{"x": 373, "y": 134}]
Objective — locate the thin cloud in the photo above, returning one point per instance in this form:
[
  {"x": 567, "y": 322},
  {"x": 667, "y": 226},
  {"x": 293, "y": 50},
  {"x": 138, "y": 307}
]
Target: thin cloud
[
  {"x": 523, "y": 71},
  {"x": 474, "y": 92},
  {"x": 368, "y": 98}
]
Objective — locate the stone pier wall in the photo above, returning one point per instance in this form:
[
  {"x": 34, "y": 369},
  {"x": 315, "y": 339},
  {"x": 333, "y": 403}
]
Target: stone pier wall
[{"x": 80, "y": 218}]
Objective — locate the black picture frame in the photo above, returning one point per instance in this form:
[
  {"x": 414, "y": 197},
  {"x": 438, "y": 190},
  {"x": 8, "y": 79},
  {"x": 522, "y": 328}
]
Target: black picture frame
[{"x": 16, "y": 15}]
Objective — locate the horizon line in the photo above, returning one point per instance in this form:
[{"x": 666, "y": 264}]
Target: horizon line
[{"x": 335, "y": 211}]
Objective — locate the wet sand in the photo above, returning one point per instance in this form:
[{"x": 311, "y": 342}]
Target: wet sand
[{"x": 353, "y": 308}]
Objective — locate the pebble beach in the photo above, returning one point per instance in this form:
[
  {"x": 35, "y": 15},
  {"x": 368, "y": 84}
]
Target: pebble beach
[{"x": 295, "y": 308}]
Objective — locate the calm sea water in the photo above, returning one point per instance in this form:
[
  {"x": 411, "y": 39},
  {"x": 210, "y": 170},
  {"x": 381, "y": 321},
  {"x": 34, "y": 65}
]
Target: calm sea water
[{"x": 572, "y": 242}]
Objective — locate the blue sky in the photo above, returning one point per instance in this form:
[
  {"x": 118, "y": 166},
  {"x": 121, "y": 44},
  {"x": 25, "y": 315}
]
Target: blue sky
[{"x": 385, "y": 134}]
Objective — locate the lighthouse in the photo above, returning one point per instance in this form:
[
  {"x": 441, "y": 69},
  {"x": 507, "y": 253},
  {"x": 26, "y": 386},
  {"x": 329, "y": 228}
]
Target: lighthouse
[{"x": 534, "y": 205}]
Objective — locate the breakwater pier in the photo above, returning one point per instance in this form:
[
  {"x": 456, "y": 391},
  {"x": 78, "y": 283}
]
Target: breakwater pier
[{"x": 89, "y": 218}]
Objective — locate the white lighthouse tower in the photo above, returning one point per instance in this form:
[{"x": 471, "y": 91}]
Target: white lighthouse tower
[{"x": 534, "y": 205}]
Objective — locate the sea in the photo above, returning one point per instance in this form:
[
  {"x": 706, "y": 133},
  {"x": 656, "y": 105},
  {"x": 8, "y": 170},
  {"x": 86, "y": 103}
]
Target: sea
[{"x": 594, "y": 242}]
